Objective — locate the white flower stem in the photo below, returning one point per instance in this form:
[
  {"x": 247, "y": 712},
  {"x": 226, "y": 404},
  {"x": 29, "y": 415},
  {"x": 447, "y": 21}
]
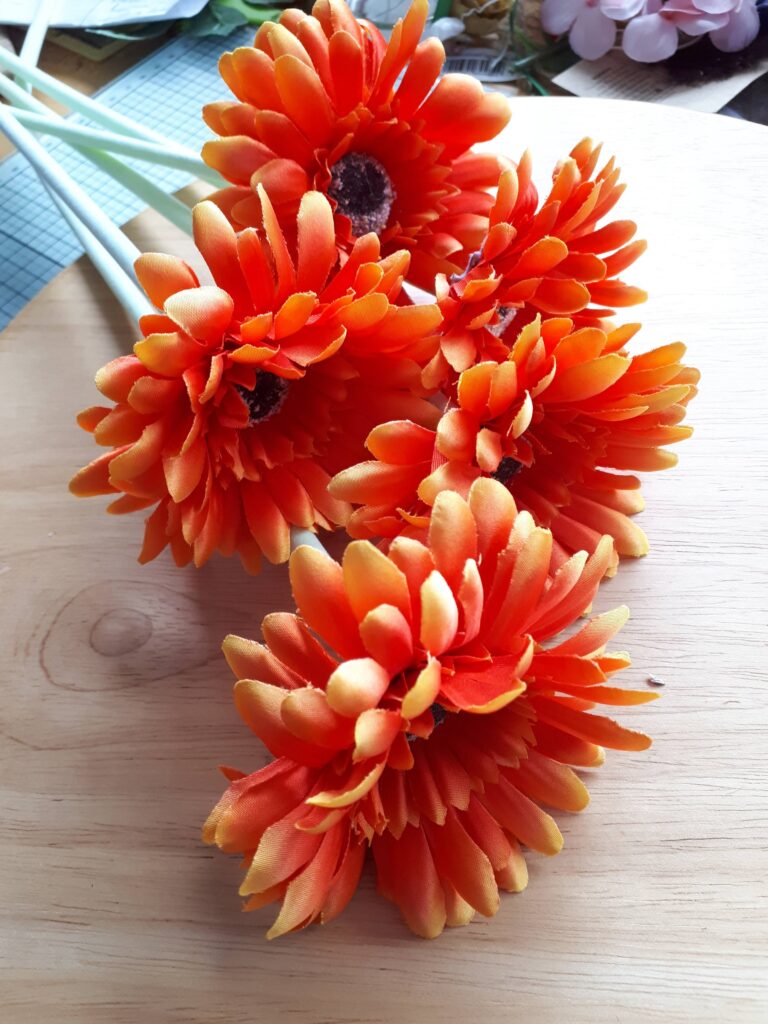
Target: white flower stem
[
  {"x": 299, "y": 537},
  {"x": 81, "y": 135},
  {"x": 75, "y": 100},
  {"x": 114, "y": 241},
  {"x": 169, "y": 206},
  {"x": 128, "y": 294},
  {"x": 122, "y": 285},
  {"x": 35, "y": 34},
  {"x": 173, "y": 209}
]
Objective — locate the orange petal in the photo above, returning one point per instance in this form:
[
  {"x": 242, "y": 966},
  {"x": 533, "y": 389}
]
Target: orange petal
[
  {"x": 593, "y": 728},
  {"x": 204, "y": 313},
  {"x": 266, "y": 522},
  {"x": 290, "y": 641},
  {"x": 587, "y": 379},
  {"x": 284, "y": 180},
  {"x": 217, "y": 242},
  {"x": 161, "y": 276},
  {"x": 316, "y": 244},
  {"x": 372, "y": 579},
  {"x": 251, "y": 660},
  {"x": 304, "y": 98},
  {"x": 294, "y": 313},
  {"x": 424, "y": 691},
  {"x": 318, "y": 588},
  {"x": 259, "y": 706},
  {"x": 356, "y": 685},
  {"x": 387, "y": 636},
  {"x": 281, "y": 853},
  {"x": 360, "y": 781},
  {"x": 439, "y": 614},
  {"x": 308, "y": 715},
  {"x": 551, "y": 782},
  {"x": 484, "y": 690},
  {"x": 401, "y": 442},
  {"x": 456, "y": 435},
  {"x": 523, "y": 818},
  {"x": 452, "y": 536},
  {"x": 168, "y": 355},
  {"x": 592, "y": 638},
  {"x": 306, "y": 892},
  {"x": 236, "y": 157},
  {"x": 375, "y": 731},
  {"x": 460, "y": 860},
  {"x": 183, "y": 472},
  {"x": 94, "y": 479}
]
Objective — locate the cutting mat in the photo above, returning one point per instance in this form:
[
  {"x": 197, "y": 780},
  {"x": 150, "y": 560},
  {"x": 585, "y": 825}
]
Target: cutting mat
[{"x": 165, "y": 92}]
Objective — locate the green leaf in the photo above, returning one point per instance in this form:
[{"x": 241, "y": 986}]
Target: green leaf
[{"x": 221, "y": 17}]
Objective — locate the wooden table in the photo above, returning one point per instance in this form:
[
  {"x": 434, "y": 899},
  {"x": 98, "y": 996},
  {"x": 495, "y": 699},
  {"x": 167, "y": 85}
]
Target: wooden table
[{"x": 116, "y": 703}]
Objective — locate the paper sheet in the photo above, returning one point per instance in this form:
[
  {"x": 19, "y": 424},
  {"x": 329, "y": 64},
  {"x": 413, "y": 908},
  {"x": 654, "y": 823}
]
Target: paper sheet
[
  {"x": 617, "y": 77},
  {"x": 99, "y": 13},
  {"x": 386, "y": 12}
]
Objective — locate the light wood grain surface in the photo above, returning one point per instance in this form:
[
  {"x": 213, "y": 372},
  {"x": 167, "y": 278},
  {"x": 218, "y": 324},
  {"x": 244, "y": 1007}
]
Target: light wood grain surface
[{"x": 116, "y": 704}]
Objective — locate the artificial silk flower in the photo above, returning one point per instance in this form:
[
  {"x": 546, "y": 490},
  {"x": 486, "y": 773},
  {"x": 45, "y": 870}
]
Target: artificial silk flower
[
  {"x": 554, "y": 258},
  {"x": 651, "y": 28},
  {"x": 244, "y": 396},
  {"x": 731, "y": 24},
  {"x": 591, "y": 28},
  {"x": 562, "y": 422},
  {"x": 420, "y": 704},
  {"x": 323, "y": 102}
]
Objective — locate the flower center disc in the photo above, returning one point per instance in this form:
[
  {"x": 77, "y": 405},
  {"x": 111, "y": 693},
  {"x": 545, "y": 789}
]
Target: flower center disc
[
  {"x": 506, "y": 469},
  {"x": 265, "y": 398},
  {"x": 363, "y": 192}
]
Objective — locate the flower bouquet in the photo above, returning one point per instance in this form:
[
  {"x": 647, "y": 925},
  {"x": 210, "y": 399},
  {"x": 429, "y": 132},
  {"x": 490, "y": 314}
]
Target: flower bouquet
[{"x": 435, "y": 690}]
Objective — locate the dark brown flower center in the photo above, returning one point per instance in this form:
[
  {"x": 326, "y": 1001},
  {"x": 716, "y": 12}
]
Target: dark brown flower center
[
  {"x": 363, "y": 192},
  {"x": 506, "y": 315},
  {"x": 265, "y": 398},
  {"x": 439, "y": 715},
  {"x": 506, "y": 469}
]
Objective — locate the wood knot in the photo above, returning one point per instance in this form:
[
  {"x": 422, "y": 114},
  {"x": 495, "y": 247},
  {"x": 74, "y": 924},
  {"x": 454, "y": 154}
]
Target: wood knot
[{"x": 120, "y": 631}]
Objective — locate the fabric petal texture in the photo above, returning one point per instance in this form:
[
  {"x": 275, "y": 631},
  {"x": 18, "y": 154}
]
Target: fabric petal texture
[
  {"x": 593, "y": 34},
  {"x": 231, "y": 424},
  {"x": 433, "y": 696},
  {"x": 439, "y": 764},
  {"x": 324, "y": 102},
  {"x": 552, "y": 401},
  {"x": 650, "y": 38}
]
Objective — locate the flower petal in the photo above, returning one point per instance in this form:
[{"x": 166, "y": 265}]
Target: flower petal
[
  {"x": 650, "y": 38},
  {"x": 357, "y": 685},
  {"x": 439, "y": 614}
]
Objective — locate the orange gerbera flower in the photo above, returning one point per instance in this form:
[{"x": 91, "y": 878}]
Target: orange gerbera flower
[
  {"x": 322, "y": 105},
  {"x": 413, "y": 707},
  {"x": 555, "y": 259},
  {"x": 559, "y": 422},
  {"x": 243, "y": 396}
]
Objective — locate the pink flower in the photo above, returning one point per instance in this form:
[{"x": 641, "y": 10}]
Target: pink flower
[
  {"x": 652, "y": 28},
  {"x": 654, "y": 34},
  {"x": 741, "y": 28},
  {"x": 592, "y": 33}
]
